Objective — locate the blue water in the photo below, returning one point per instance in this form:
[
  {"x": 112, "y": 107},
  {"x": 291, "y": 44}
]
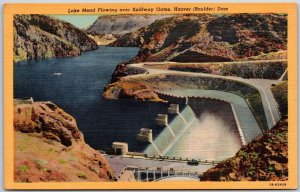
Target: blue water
[{"x": 78, "y": 91}]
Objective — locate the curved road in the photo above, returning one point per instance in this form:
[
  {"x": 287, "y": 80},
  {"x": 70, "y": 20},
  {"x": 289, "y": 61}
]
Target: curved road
[{"x": 262, "y": 85}]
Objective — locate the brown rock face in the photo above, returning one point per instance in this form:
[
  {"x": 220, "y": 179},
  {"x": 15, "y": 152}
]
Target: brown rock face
[
  {"x": 47, "y": 119},
  {"x": 207, "y": 38},
  {"x": 264, "y": 159},
  {"x": 50, "y": 147},
  {"x": 130, "y": 90},
  {"x": 40, "y": 36}
]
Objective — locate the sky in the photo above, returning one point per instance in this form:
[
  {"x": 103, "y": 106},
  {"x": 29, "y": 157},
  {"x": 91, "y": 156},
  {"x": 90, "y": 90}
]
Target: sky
[{"x": 80, "y": 21}]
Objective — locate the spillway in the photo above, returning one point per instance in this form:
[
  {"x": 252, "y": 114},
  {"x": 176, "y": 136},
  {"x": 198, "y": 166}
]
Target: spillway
[
  {"x": 166, "y": 137},
  {"x": 205, "y": 129}
]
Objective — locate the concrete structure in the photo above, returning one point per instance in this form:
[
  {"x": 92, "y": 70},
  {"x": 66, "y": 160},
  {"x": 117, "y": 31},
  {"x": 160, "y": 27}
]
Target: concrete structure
[
  {"x": 25, "y": 100},
  {"x": 120, "y": 148},
  {"x": 149, "y": 174},
  {"x": 145, "y": 135},
  {"x": 246, "y": 123},
  {"x": 120, "y": 164},
  {"x": 241, "y": 133},
  {"x": 161, "y": 119},
  {"x": 172, "y": 132},
  {"x": 173, "y": 109}
]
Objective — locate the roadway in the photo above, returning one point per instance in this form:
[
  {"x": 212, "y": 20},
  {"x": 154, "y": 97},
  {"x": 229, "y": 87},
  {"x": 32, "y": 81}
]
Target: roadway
[
  {"x": 118, "y": 164},
  {"x": 262, "y": 85}
]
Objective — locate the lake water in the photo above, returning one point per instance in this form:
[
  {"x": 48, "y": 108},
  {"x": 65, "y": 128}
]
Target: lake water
[{"x": 78, "y": 91}]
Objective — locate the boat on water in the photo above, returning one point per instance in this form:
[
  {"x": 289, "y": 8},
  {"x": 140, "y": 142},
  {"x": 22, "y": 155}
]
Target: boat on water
[{"x": 56, "y": 74}]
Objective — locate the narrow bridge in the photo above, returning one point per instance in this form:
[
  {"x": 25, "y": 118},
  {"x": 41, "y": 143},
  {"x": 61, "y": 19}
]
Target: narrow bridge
[
  {"x": 119, "y": 165},
  {"x": 148, "y": 174}
]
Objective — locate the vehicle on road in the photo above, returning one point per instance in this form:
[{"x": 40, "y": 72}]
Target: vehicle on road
[{"x": 193, "y": 162}]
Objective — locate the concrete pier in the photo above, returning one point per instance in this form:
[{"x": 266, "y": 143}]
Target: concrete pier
[
  {"x": 120, "y": 148},
  {"x": 145, "y": 135},
  {"x": 25, "y": 100},
  {"x": 162, "y": 120},
  {"x": 173, "y": 109}
]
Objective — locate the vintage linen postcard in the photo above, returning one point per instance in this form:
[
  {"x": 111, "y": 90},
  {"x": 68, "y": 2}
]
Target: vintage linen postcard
[{"x": 150, "y": 96}]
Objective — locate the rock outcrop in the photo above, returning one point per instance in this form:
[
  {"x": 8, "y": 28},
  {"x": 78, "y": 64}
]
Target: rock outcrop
[
  {"x": 264, "y": 159},
  {"x": 40, "y": 36},
  {"x": 103, "y": 39},
  {"x": 50, "y": 147},
  {"x": 130, "y": 90},
  {"x": 107, "y": 29},
  {"x": 121, "y": 24},
  {"x": 208, "y": 38}
]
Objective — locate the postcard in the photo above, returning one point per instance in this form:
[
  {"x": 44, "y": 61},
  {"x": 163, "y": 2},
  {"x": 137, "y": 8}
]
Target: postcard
[{"x": 150, "y": 96}]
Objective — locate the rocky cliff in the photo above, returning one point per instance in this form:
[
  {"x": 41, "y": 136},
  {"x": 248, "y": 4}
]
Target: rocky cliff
[
  {"x": 207, "y": 38},
  {"x": 121, "y": 24},
  {"x": 264, "y": 159},
  {"x": 107, "y": 29},
  {"x": 50, "y": 147},
  {"x": 40, "y": 36}
]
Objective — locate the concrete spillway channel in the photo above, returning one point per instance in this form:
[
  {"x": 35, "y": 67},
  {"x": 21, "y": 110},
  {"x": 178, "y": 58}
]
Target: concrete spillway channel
[
  {"x": 167, "y": 142},
  {"x": 247, "y": 124}
]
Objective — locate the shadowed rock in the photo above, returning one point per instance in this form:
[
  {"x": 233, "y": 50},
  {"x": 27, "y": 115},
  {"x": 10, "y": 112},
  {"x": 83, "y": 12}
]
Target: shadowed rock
[{"x": 40, "y": 36}]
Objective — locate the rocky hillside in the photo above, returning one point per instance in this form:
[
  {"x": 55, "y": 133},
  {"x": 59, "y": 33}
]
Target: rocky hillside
[
  {"x": 121, "y": 24},
  {"x": 50, "y": 147},
  {"x": 208, "y": 38},
  {"x": 40, "y": 36},
  {"x": 280, "y": 92},
  {"x": 103, "y": 39},
  {"x": 264, "y": 159},
  {"x": 107, "y": 29}
]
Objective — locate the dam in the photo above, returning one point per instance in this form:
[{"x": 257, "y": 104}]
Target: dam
[{"x": 242, "y": 103}]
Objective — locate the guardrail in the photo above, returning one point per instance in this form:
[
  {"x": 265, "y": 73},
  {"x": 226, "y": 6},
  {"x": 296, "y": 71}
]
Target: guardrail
[{"x": 172, "y": 159}]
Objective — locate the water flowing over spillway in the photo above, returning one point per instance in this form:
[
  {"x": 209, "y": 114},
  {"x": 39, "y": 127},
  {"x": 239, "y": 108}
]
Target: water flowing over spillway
[
  {"x": 172, "y": 132},
  {"x": 205, "y": 129}
]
